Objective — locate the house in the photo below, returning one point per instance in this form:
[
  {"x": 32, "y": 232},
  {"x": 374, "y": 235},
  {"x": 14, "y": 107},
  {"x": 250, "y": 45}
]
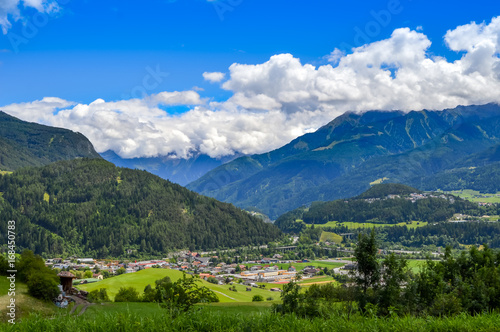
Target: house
[
  {"x": 203, "y": 260},
  {"x": 310, "y": 270},
  {"x": 97, "y": 276},
  {"x": 86, "y": 260},
  {"x": 292, "y": 269}
]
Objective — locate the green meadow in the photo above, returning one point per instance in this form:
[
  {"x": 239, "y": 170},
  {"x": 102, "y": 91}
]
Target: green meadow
[
  {"x": 476, "y": 196},
  {"x": 301, "y": 266},
  {"x": 355, "y": 225}
]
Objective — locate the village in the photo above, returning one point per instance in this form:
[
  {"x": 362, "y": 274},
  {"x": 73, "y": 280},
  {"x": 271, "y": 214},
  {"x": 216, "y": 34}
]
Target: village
[{"x": 265, "y": 270}]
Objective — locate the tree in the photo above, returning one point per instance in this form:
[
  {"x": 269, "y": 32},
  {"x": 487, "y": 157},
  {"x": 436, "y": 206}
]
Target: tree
[
  {"x": 290, "y": 297},
  {"x": 367, "y": 272},
  {"x": 120, "y": 271},
  {"x": 182, "y": 294},
  {"x": 395, "y": 274},
  {"x": 149, "y": 294}
]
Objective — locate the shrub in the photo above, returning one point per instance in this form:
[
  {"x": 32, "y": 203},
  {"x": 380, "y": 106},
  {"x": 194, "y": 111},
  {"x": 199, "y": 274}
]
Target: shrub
[
  {"x": 100, "y": 295},
  {"x": 129, "y": 294},
  {"x": 43, "y": 285},
  {"x": 257, "y": 298},
  {"x": 213, "y": 280}
]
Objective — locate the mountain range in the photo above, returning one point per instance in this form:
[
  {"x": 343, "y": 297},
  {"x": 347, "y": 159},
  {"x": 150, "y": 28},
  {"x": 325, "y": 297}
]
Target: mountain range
[{"x": 356, "y": 150}]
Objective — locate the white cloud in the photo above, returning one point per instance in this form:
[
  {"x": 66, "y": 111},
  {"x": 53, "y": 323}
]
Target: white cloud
[
  {"x": 396, "y": 73},
  {"x": 10, "y": 10},
  {"x": 278, "y": 100},
  {"x": 177, "y": 98},
  {"x": 213, "y": 77}
]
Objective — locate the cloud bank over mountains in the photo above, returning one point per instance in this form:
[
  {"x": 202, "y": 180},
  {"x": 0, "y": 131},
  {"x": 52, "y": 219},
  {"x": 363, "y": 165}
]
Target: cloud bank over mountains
[{"x": 276, "y": 101}]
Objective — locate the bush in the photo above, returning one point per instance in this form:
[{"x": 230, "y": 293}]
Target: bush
[
  {"x": 257, "y": 298},
  {"x": 129, "y": 294},
  {"x": 100, "y": 295},
  {"x": 43, "y": 285},
  {"x": 213, "y": 280}
]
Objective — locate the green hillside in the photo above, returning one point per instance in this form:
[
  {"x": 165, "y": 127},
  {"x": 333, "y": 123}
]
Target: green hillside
[
  {"x": 384, "y": 204},
  {"x": 344, "y": 157},
  {"x": 89, "y": 207},
  {"x": 30, "y": 144}
]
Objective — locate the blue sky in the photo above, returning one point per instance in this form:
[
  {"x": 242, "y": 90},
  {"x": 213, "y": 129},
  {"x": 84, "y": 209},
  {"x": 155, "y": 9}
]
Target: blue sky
[
  {"x": 100, "y": 49},
  {"x": 91, "y": 66}
]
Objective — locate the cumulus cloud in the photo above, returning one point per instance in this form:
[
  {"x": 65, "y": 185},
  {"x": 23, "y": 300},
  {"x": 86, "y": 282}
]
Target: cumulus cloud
[
  {"x": 282, "y": 98},
  {"x": 213, "y": 77},
  {"x": 396, "y": 73},
  {"x": 11, "y": 10}
]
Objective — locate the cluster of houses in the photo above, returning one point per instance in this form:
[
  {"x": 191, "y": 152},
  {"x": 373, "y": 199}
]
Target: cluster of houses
[
  {"x": 264, "y": 270},
  {"x": 413, "y": 197}
]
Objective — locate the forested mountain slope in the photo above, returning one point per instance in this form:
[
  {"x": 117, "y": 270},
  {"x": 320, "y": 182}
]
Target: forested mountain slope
[
  {"x": 90, "y": 207},
  {"x": 31, "y": 144}
]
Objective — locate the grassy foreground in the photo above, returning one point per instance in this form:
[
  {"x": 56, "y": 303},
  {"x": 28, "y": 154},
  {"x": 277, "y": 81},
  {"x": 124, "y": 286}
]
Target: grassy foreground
[
  {"x": 25, "y": 304},
  {"x": 214, "y": 320}
]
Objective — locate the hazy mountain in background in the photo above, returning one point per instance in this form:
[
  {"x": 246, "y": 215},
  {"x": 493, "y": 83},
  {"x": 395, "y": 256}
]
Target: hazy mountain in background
[{"x": 181, "y": 171}]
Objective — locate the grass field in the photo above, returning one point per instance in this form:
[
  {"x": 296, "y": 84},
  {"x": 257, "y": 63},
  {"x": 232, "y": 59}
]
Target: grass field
[
  {"x": 139, "y": 280},
  {"x": 355, "y": 225},
  {"x": 153, "y": 309},
  {"x": 319, "y": 279},
  {"x": 415, "y": 265},
  {"x": 132, "y": 317},
  {"x": 476, "y": 196},
  {"x": 331, "y": 237},
  {"x": 300, "y": 266}
]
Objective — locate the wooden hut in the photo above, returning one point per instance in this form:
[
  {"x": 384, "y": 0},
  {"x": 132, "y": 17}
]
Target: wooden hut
[{"x": 66, "y": 280}]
